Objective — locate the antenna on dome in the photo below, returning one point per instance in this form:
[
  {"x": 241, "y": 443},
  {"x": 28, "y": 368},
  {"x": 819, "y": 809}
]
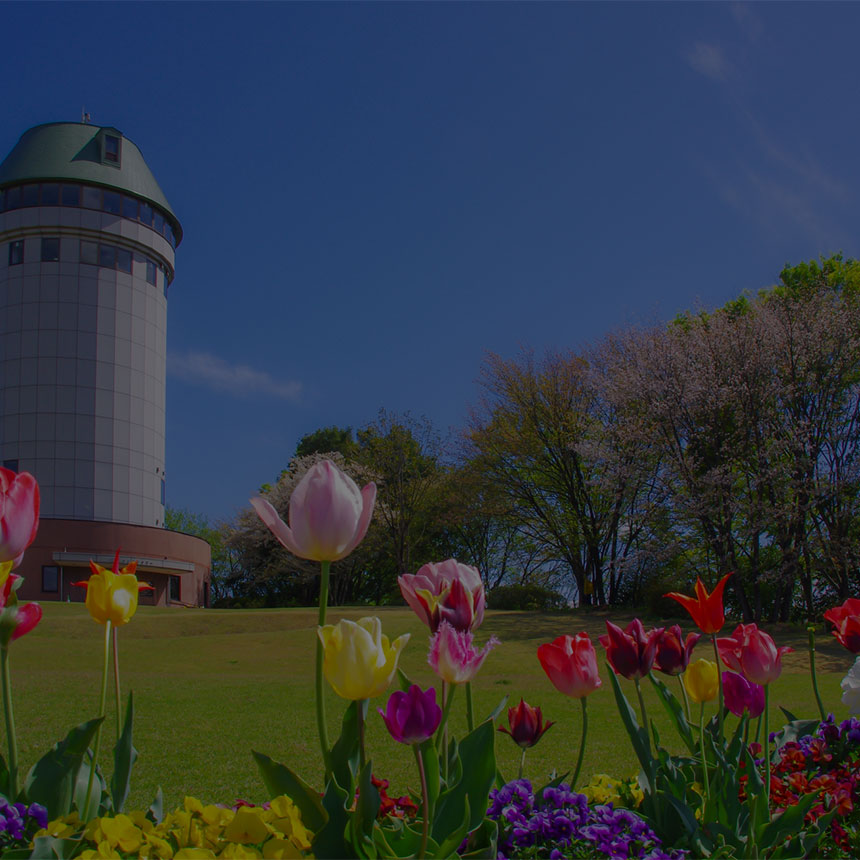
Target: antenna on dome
[{"x": 85, "y": 117}]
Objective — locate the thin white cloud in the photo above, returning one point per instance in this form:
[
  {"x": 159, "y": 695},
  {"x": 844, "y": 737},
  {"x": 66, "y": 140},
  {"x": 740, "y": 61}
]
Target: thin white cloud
[
  {"x": 748, "y": 22},
  {"x": 710, "y": 61},
  {"x": 240, "y": 380}
]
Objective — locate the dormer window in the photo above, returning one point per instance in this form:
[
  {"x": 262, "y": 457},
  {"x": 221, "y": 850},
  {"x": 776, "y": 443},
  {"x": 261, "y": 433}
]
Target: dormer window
[{"x": 112, "y": 149}]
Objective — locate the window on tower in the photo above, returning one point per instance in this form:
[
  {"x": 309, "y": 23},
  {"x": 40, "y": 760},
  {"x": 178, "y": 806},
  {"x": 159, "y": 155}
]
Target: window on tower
[
  {"x": 50, "y": 250},
  {"x": 16, "y": 252},
  {"x": 112, "y": 149}
]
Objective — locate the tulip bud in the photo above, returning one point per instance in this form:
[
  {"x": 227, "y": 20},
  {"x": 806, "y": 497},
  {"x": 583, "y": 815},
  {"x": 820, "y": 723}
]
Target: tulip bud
[
  {"x": 673, "y": 652},
  {"x": 527, "y": 725},
  {"x": 19, "y": 514},
  {"x": 740, "y": 695},
  {"x": 846, "y": 621},
  {"x": 571, "y": 664},
  {"x": 412, "y": 717},
  {"x": 445, "y": 591},
  {"x": 702, "y": 680},
  {"x": 630, "y": 651},
  {"x": 753, "y": 653},
  {"x": 453, "y": 657}
]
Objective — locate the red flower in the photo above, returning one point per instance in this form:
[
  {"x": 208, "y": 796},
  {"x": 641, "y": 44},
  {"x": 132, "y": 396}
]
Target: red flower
[
  {"x": 630, "y": 651},
  {"x": 705, "y": 609},
  {"x": 571, "y": 664},
  {"x": 753, "y": 653},
  {"x": 16, "y": 619},
  {"x": 527, "y": 725},
  {"x": 846, "y": 621},
  {"x": 673, "y": 652}
]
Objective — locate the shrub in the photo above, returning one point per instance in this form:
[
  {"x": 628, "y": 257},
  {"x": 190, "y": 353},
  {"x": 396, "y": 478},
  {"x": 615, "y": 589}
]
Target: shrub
[{"x": 532, "y": 598}]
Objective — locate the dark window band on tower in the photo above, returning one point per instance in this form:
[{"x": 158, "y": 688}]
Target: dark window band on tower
[
  {"x": 50, "y": 249},
  {"x": 16, "y": 252}
]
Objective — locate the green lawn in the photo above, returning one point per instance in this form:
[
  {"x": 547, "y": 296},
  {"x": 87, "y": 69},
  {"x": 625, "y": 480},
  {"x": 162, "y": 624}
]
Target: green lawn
[{"x": 210, "y": 685}]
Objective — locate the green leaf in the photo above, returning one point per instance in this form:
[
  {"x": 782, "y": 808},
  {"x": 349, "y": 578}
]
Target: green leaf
[
  {"x": 785, "y": 825},
  {"x": 345, "y": 754},
  {"x": 478, "y": 761},
  {"x": 279, "y": 779},
  {"x": 494, "y": 714},
  {"x": 676, "y": 712},
  {"x": 51, "y": 781},
  {"x": 430, "y": 757},
  {"x": 100, "y": 800},
  {"x": 366, "y": 807},
  {"x": 397, "y": 839},
  {"x": 403, "y": 681},
  {"x": 329, "y": 843},
  {"x": 155, "y": 813},
  {"x": 449, "y": 845},
  {"x": 791, "y": 732},
  {"x": 124, "y": 757},
  {"x": 788, "y": 715},
  {"x": 638, "y": 735},
  {"x": 483, "y": 842},
  {"x": 4, "y": 779},
  {"x": 46, "y": 847}
]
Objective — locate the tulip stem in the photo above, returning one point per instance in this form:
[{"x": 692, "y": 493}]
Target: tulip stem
[
  {"x": 325, "y": 566},
  {"x": 644, "y": 714},
  {"x": 707, "y": 795},
  {"x": 470, "y": 717},
  {"x": 686, "y": 699},
  {"x": 11, "y": 737},
  {"x": 523, "y": 763},
  {"x": 582, "y": 740},
  {"x": 425, "y": 796},
  {"x": 811, "y": 631},
  {"x": 361, "y": 708},
  {"x": 116, "y": 684},
  {"x": 720, "y": 680},
  {"x": 442, "y": 731},
  {"x": 766, "y": 750},
  {"x": 84, "y": 813}
]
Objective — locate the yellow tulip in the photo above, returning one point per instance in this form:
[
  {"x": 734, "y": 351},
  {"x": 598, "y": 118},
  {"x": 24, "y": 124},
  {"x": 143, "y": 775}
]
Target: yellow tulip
[
  {"x": 112, "y": 594},
  {"x": 360, "y": 662},
  {"x": 702, "y": 680}
]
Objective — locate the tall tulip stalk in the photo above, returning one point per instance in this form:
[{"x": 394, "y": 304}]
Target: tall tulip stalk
[
  {"x": 328, "y": 519},
  {"x": 570, "y": 663}
]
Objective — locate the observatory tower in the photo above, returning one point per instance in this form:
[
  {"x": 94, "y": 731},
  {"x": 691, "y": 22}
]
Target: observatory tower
[{"x": 87, "y": 249}]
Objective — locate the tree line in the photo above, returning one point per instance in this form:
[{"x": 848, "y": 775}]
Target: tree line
[{"x": 724, "y": 441}]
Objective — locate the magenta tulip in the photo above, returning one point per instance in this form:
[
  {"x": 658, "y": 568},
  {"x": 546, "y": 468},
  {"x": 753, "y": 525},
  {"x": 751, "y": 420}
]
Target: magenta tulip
[
  {"x": 453, "y": 657},
  {"x": 571, "y": 664},
  {"x": 412, "y": 717},
  {"x": 328, "y": 515},
  {"x": 630, "y": 651},
  {"x": 445, "y": 591},
  {"x": 19, "y": 514},
  {"x": 527, "y": 725},
  {"x": 752, "y": 653},
  {"x": 741, "y": 695},
  {"x": 673, "y": 652}
]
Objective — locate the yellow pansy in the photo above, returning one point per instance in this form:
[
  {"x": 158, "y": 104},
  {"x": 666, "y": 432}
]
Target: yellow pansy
[
  {"x": 105, "y": 851},
  {"x": 156, "y": 847},
  {"x": 280, "y": 849},
  {"x": 247, "y": 827},
  {"x": 360, "y": 662},
  {"x": 239, "y": 852},
  {"x": 193, "y": 854},
  {"x": 217, "y": 816},
  {"x": 702, "y": 680}
]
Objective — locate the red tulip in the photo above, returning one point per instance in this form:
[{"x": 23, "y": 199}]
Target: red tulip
[
  {"x": 445, "y": 591},
  {"x": 16, "y": 619},
  {"x": 673, "y": 652},
  {"x": 571, "y": 664},
  {"x": 705, "y": 609},
  {"x": 19, "y": 514},
  {"x": 846, "y": 619},
  {"x": 527, "y": 725},
  {"x": 630, "y": 651},
  {"x": 753, "y": 653}
]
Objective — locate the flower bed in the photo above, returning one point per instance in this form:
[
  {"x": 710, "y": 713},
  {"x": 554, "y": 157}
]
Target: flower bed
[{"x": 737, "y": 790}]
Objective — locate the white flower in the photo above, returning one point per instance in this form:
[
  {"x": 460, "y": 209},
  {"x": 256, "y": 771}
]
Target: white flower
[{"x": 851, "y": 688}]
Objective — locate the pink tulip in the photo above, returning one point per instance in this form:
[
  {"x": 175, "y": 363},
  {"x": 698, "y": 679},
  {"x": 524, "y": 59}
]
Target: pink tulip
[
  {"x": 741, "y": 695},
  {"x": 630, "y": 651},
  {"x": 19, "y": 514},
  {"x": 328, "y": 515},
  {"x": 571, "y": 664},
  {"x": 445, "y": 591},
  {"x": 16, "y": 619},
  {"x": 453, "y": 657},
  {"x": 752, "y": 653}
]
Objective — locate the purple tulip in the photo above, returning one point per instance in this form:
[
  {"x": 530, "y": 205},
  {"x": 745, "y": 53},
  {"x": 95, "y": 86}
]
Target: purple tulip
[
  {"x": 412, "y": 717},
  {"x": 673, "y": 651},
  {"x": 741, "y": 695}
]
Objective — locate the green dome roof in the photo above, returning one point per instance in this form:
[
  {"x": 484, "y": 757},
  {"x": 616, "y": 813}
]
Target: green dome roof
[{"x": 75, "y": 151}]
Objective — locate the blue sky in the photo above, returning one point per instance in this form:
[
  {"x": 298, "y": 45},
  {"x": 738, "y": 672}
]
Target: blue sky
[{"x": 376, "y": 195}]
